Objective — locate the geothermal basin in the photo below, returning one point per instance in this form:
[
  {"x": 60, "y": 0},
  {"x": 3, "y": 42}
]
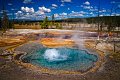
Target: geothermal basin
[
  {"x": 62, "y": 59},
  {"x": 61, "y": 53}
]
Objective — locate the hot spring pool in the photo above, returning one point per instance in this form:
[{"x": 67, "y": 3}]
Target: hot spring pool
[{"x": 62, "y": 59}]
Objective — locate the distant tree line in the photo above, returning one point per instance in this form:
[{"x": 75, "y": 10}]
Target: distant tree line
[
  {"x": 111, "y": 22},
  {"x": 50, "y": 24},
  {"x": 44, "y": 24}
]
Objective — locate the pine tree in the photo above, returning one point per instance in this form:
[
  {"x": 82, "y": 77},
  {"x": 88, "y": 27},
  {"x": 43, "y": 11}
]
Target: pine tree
[
  {"x": 44, "y": 25},
  {"x": 53, "y": 18},
  {"x": 5, "y": 22}
]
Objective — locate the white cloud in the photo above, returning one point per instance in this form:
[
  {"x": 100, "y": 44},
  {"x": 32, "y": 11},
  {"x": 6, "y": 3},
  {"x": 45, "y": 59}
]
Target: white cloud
[
  {"x": 87, "y": 3},
  {"x": 102, "y": 11},
  {"x": 29, "y": 13},
  {"x": 34, "y": 16},
  {"x": 56, "y": 15},
  {"x": 9, "y": 4},
  {"x": 68, "y": 8},
  {"x": 73, "y": 11},
  {"x": 87, "y": 7},
  {"x": 101, "y": 15},
  {"x": 13, "y": 9},
  {"x": 76, "y": 14},
  {"x": 19, "y": 12},
  {"x": 44, "y": 9},
  {"x": 27, "y": 9},
  {"x": 63, "y": 14},
  {"x": 62, "y": 4},
  {"x": 91, "y": 13},
  {"x": 27, "y": 1},
  {"x": 54, "y": 5},
  {"x": 82, "y": 12},
  {"x": 118, "y": 14},
  {"x": 39, "y": 12},
  {"x": 66, "y": 1},
  {"x": 94, "y": 9}
]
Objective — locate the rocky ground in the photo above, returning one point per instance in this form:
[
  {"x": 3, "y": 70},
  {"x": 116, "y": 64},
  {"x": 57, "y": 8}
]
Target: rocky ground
[{"x": 9, "y": 70}]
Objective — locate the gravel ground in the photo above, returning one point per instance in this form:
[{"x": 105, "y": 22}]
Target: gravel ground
[
  {"x": 12, "y": 71},
  {"x": 29, "y": 47},
  {"x": 9, "y": 70}
]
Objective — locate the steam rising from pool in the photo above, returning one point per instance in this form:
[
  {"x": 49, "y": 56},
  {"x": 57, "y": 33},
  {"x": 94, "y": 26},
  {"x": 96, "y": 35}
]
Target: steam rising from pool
[{"x": 54, "y": 55}]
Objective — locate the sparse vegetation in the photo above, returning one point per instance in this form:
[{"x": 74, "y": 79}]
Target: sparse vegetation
[
  {"x": 46, "y": 24},
  {"x": 111, "y": 22}
]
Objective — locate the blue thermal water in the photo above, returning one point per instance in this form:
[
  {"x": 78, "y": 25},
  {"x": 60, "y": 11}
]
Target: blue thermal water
[{"x": 62, "y": 59}]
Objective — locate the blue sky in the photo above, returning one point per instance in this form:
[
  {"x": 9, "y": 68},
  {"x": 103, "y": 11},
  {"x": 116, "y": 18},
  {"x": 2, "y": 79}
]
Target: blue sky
[{"x": 39, "y": 9}]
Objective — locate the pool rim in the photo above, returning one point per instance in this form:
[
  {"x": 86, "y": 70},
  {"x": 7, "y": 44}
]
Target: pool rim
[
  {"x": 85, "y": 50},
  {"x": 30, "y": 66}
]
